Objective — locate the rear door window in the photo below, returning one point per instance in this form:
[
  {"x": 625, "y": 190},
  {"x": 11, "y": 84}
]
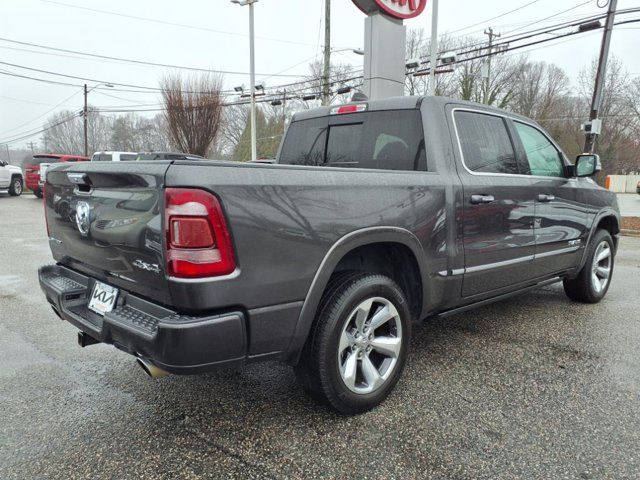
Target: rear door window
[
  {"x": 485, "y": 142},
  {"x": 127, "y": 157}
]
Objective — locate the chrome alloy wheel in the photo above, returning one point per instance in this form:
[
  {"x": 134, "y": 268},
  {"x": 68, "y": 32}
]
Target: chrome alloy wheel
[
  {"x": 17, "y": 187},
  {"x": 370, "y": 345},
  {"x": 601, "y": 267}
]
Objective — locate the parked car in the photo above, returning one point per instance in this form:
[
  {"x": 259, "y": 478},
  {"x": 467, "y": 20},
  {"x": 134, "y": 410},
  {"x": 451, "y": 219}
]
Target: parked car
[
  {"x": 32, "y": 168},
  {"x": 168, "y": 156},
  {"x": 114, "y": 156},
  {"x": 378, "y": 214},
  {"x": 11, "y": 179}
]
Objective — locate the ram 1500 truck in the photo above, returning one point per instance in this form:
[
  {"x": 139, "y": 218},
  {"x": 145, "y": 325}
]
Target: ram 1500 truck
[{"x": 376, "y": 215}]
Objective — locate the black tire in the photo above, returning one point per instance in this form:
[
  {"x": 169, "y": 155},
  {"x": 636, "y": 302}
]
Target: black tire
[
  {"x": 15, "y": 189},
  {"x": 319, "y": 368},
  {"x": 581, "y": 288},
  {"x": 38, "y": 193}
]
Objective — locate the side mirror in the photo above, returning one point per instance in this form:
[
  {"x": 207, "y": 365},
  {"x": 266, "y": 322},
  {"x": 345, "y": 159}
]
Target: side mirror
[
  {"x": 3, "y": 163},
  {"x": 587, "y": 165}
]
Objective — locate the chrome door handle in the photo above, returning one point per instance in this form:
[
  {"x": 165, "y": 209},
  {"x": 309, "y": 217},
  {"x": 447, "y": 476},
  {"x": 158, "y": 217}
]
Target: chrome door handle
[
  {"x": 481, "y": 199},
  {"x": 545, "y": 198}
]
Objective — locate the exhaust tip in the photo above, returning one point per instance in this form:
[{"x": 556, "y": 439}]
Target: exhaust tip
[{"x": 150, "y": 369}]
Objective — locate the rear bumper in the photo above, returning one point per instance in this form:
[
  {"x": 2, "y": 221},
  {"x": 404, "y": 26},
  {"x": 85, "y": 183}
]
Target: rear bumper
[{"x": 176, "y": 343}]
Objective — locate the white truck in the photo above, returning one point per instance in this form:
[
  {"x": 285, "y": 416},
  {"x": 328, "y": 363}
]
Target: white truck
[{"x": 11, "y": 179}]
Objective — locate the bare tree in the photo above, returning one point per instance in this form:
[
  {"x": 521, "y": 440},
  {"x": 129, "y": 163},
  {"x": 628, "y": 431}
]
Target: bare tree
[
  {"x": 64, "y": 132},
  {"x": 193, "y": 111}
]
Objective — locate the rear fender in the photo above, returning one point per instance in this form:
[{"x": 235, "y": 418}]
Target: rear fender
[{"x": 339, "y": 249}]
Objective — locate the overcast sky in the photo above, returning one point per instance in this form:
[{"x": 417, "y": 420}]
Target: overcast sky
[{"x": 214, "y": 34}]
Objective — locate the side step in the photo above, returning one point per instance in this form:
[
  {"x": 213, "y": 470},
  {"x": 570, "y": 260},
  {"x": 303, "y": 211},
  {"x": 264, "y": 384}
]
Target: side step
[{"x": 504, "y": 296}]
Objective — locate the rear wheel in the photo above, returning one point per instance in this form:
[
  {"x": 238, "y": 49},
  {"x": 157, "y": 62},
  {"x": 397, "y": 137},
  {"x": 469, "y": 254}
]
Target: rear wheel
[
  {"x": 592, "y": 283},
  {"x": 358, "y": 347},
  {"x": 38, "y": 193},
  {"x": 15, "y": 189}
]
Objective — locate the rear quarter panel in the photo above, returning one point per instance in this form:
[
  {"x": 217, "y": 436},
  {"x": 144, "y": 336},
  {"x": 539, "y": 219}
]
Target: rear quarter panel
[{"x": 284, "y": 220}]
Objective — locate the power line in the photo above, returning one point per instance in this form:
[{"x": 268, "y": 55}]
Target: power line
[
  {"x": 494, "y": 18},
  {"x": 41, "y": 115},
  {"x": 173, "y": 24},
  {"x": 133, "y": 61}
]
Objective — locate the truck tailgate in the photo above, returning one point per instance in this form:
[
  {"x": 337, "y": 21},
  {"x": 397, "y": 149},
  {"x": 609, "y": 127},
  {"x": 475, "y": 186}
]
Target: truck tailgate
[{"x": 105, "y": 219}]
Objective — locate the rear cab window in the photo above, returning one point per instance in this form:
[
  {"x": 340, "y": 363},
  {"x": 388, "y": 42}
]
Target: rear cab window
[
  {"x": 102, "y": 157},
  {"x": 485, "y": 143},
  {"x": 388, "y": 140}
]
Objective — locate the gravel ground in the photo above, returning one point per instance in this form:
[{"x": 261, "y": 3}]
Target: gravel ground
[{"x": 534, "y": 387}]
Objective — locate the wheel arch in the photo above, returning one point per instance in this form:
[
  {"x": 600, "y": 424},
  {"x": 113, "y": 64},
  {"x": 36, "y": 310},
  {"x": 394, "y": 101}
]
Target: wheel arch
[
  {"x": 354, "y": 251},
  {"x": 607, "y": 219}
]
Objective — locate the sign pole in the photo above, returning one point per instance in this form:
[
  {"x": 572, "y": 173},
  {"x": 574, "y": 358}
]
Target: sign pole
[{"x": 434, "y": 47}]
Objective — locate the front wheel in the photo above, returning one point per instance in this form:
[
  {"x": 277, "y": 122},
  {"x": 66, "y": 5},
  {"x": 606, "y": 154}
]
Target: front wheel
[
  {"x": 359, "y": 344},
  {"x": 15, "y": 189},
  {"x": 592, "y": 283}
]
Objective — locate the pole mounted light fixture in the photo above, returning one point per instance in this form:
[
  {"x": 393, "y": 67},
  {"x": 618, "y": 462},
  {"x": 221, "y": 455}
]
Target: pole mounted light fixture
[{"x": 252, "y": 60}]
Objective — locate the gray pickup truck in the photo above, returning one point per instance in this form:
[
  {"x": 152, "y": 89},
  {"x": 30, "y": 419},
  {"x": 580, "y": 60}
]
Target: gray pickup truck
[{"x": 376, "y": 215}]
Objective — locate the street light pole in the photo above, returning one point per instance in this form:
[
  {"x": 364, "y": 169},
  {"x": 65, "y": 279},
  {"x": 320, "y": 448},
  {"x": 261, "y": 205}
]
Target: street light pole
[
  {"x": 84, "y": 117},
  {"x": 252, "y": 74},
  {"x": 252, "y": 55}
]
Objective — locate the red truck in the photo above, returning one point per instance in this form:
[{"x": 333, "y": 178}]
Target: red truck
[{"x": 32, "y": 168}]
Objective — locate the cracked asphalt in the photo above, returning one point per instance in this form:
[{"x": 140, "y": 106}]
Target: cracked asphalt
[{"x": 534, "y": 387}]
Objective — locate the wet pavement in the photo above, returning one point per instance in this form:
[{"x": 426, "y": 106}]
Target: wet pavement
[{"x": 533, "y": 387}]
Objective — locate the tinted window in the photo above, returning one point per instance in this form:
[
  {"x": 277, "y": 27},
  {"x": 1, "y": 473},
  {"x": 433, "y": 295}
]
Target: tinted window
[
  {"x": 344, "y": 145},
  {"x": 391, "y": 140},
  {"x": 304, "y": 143},
  {"x": 486, "y": 146},
  {"x": 101, "y": 157},
  {"x": 543, "y": 157},
  {"x": 127, "y": 157}
]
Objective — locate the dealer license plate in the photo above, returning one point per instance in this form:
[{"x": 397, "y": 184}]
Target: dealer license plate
[{"x": 103, "y": 298}]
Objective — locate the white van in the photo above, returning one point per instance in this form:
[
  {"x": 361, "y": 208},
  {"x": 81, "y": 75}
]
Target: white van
[{"x": 114, "y": 156}]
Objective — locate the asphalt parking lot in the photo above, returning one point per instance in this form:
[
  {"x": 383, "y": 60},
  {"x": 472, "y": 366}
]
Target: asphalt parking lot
[{"x": 533, "y": 387}]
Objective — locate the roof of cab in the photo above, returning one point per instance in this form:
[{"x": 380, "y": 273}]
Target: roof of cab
[{"x": 405, "y": 103}]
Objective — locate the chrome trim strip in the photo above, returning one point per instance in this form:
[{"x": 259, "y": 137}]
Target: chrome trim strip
[
  {"x": 505, "y": 263},
  {"x": 557, "y": 252},
  {"x": 514, "y": 119},
  {"x": 513, "y": 261},
  {"x": 451, "y": 273}
]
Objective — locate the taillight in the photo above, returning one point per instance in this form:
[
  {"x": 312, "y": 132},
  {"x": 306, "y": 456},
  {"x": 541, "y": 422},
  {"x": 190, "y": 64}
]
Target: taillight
[{"x": 198, "y": 240}]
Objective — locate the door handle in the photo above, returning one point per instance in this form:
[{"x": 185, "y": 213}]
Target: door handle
[
  {"x": 481, "y": 199},
  {"x": 546, "y": 198}
]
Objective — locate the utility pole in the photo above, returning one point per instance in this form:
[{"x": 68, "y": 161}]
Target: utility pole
[
  {"x": 598, "y": 88},
  {"x": 434, "y": 48},
  {"x": 84, "y": 116},
  {"x": 487, "y": 88},
  {"x": 31, "y": 145},
  {"x": 284, "y": 111},
  {"x": 326, "y": 67}
]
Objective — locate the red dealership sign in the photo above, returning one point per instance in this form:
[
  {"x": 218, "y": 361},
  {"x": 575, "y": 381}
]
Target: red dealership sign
[{"x": 401, "y": 9}]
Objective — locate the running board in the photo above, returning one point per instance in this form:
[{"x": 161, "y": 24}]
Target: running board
[{"x": 504, "y": 296}]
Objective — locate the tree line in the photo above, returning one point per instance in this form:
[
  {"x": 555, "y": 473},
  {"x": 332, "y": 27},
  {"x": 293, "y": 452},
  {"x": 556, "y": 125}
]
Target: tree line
[{"x": 199, "y": 118}]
